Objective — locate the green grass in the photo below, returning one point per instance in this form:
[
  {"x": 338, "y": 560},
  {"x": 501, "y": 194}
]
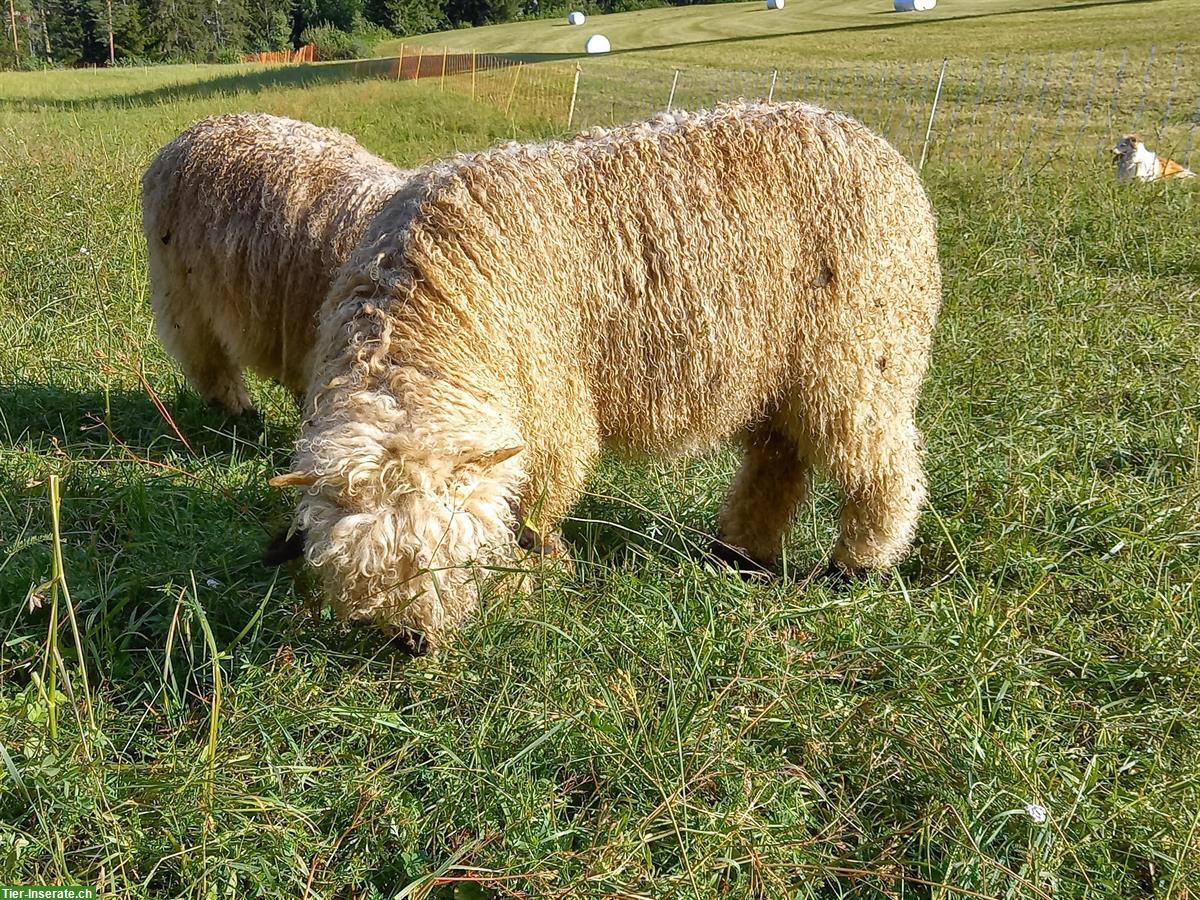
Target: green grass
[{"x": 649, "y": 726}]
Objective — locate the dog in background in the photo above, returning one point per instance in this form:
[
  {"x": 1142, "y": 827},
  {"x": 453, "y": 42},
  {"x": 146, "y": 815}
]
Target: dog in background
[{"x": 1134, "y": 161}]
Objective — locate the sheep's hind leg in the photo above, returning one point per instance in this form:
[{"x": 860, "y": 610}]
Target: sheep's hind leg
[
  {"x": 206, "y": 364},
  {"x": 772, "y": 481},
  {"x": 880, "y": 472}
]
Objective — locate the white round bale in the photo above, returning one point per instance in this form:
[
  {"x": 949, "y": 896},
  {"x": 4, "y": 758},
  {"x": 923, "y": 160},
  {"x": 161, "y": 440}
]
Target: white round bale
[
  {"x": 913, "y": 5},
  {"x": 576, "y": 18},
  {"x": 597, "y": 43},
  {"x": 775, "y": 4}
]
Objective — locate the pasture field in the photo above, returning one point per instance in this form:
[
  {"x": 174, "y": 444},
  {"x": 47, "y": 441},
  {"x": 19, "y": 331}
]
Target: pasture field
[
  {"x": 1026, "y": 81},
  {"x": 736, "y": 36},
  {"x": 649, "y": 726}
]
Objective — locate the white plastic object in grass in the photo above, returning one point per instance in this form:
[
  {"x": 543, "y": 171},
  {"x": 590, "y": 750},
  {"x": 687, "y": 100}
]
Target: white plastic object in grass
[
  {"x": 914, "y": 5},
  {"x": 597, "y": 43},
  {"x": 775, "y": 4},
  {"x": 576, "y": 18}
]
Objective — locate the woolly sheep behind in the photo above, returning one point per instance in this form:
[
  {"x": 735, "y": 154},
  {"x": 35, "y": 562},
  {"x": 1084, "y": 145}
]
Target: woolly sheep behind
[
  {"x": 768, "y": 272},
  {"x": 247, "y": 217}
]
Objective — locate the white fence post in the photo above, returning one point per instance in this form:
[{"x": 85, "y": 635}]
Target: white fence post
[
  {"x": 671, "y": 97},
  {"x": 574, "y": 94},
  {"x": 933, "y": 112}
]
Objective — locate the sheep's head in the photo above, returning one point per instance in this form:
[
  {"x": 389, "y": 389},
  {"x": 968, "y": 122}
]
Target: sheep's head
[{"x": 400, "y": 521}]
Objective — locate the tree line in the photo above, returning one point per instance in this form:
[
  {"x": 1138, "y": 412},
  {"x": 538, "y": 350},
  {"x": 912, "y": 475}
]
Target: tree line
[{"x": 102, "y": 32}]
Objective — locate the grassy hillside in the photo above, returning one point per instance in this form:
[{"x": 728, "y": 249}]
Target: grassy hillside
[
  {"x": 747, "y": 35},
  {"x": 650, "y": 726},
  {"x": 1064, "y": 77}
]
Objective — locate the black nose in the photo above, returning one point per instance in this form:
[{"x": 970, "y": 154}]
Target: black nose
[{"x": 283, "y": 548}]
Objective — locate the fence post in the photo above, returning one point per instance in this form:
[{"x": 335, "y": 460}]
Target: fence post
[
  {"x": 400, "y": 64},
  {"x": 574, "y": 93},
  {"x": 513, "y": 92},
  {"x": 771, "y": 92},
  {"x": 671, "y": 96},
  {"x": 445, "y": 52},
  {"x": 788, "y": 86},
  {"x": 473, "y": 74},
  {"x": 933, "y": 112},
  {"x": 420, "y": 59}
]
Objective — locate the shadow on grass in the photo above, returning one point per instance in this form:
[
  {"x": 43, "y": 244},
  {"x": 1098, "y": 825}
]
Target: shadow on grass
[
  {"x": 70, "y": 428},
  {"x": 147, "y": 521},
  {"x": 60, "y": 421},
  {"x": 605, "y": 532},
  {"x": 618, "y": 527},
  {"x": 144, "y": 519},
  {"x": 298, "y": 76}
]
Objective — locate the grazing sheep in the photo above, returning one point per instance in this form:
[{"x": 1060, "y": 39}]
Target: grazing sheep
[
  {"x": 247, "y": 217},
  {"x": 766, "y": 271}
]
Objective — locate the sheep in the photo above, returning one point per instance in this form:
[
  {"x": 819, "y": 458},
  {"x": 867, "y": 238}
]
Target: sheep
[
  {"x": 768, "y": 272},
  {"x": 246, "y": 219}
]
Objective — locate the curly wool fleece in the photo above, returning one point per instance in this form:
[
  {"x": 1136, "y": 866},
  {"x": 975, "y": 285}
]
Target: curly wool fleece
[
  {"x": 762, "y": 271},
  {"x": 247, "y": 217}
]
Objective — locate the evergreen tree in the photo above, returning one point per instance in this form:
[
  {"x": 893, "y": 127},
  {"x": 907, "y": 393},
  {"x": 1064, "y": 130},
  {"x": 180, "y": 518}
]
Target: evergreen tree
[
  {"x": 341, "y": 14},
  {"x": 268, "y": 25},
  {"x": 481, "y": 12},
  {"x": 405, "y": 17},
  {"x": 65, "y": 23}
]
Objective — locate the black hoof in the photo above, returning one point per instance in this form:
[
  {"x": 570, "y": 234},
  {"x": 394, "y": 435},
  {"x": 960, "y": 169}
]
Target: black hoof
[
  {"x": 837, "y": 576},
  {"x": 412, "y": 642},
  {"x": 283, "y": 548},
  {"x": 737, "y": 560}
]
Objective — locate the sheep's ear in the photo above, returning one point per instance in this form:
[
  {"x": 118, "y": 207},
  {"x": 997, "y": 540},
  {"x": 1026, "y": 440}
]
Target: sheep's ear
[
  {"x": 489, "y": 458},
  {"x": 293, "y": 479}
]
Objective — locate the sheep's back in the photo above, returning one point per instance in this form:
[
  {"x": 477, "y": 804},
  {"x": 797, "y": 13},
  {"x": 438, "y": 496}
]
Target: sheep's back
[{"x": 681, "y": 275}]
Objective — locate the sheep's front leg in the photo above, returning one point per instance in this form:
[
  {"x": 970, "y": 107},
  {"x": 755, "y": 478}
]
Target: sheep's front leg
[{"x": 558, "y": 467}]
